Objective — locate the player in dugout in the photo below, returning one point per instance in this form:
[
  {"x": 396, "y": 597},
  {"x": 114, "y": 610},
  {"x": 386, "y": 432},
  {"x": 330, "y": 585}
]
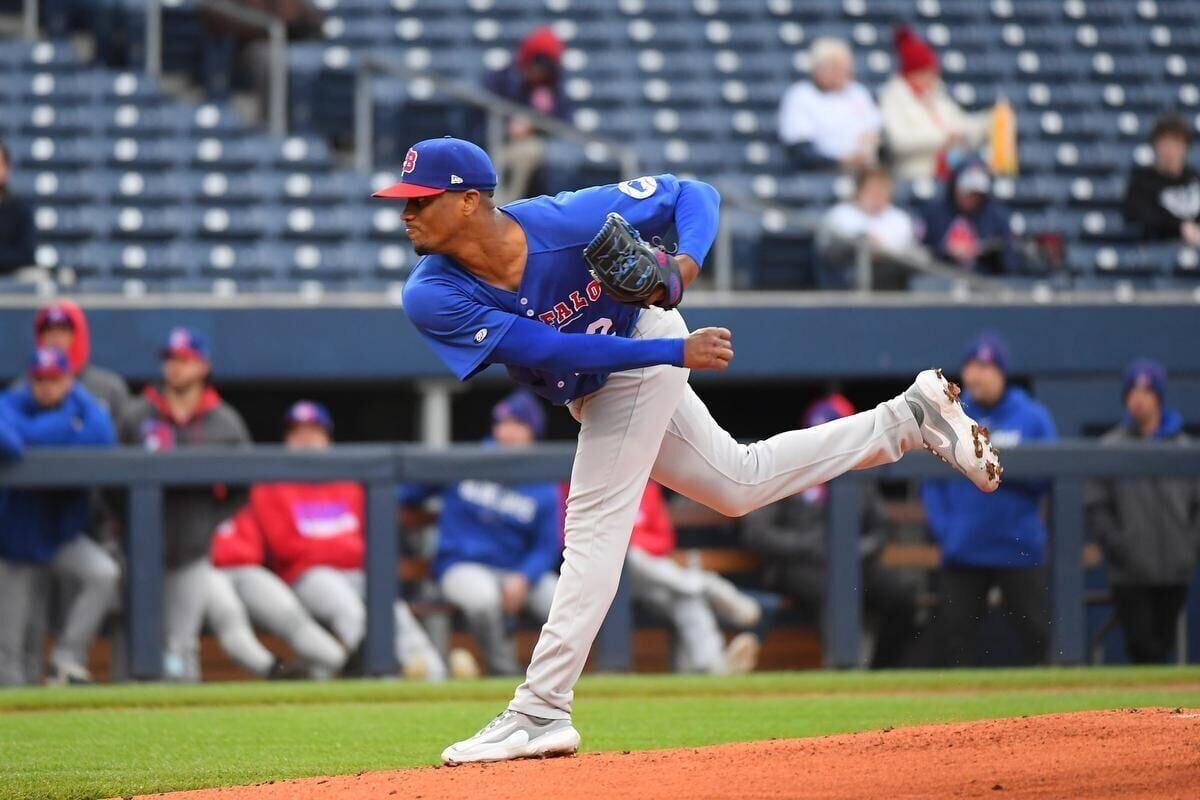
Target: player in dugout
[
  {"x": 567, "y": 295},
  {"x": 498, "y": 545},
  {"x": 312, "y": 537}
]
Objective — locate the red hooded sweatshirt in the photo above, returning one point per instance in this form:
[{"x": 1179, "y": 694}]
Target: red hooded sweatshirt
[
  {"x": 299, "y": 526},
  {"x": 653, "y": 532},
  {"x": 238, "y": 542}
]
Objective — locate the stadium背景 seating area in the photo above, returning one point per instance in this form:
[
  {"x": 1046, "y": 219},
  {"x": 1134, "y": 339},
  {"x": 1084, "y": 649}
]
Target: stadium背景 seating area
[{"x": 131, "y": 185}]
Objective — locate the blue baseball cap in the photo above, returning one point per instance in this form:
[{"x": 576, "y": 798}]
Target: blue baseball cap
[
  {"x": 48, "y": 362},
  {"x": 988, "y": 348},
  {"x": 442, "y": 165},
  {"x": 308, "y": 412},
  {"x": 522, "y": 406},
  {"x": 1145, "y": 373},
  {"x": 186, "y": 343}
]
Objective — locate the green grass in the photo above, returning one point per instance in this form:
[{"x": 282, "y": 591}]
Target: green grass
[{"x": 110, "y": 741}]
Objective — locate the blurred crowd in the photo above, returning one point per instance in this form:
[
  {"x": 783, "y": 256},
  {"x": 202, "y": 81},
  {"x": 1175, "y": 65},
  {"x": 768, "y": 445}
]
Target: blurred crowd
[{"x": 287, "y": 558}]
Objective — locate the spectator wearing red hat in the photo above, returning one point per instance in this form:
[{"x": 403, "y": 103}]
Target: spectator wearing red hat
[
  {"x": 186, "y": 411},
  {"x": 1149, "y": 529},
  {"x": 791, "y": 536},
  {"x": 692, "y": 599},
  {"x": 41, "y": 532},
  {"x": 534, "y": 79},
  {"x": 923, "y": 125}
]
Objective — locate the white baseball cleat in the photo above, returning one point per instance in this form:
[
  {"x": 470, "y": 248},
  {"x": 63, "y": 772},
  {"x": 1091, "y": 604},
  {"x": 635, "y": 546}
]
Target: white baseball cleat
[
  {"x": 515, "y": 735},
  {"x": 949, "y": 433}
]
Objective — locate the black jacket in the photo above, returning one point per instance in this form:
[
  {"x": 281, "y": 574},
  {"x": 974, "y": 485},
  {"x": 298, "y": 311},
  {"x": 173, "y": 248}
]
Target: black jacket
[
  {"x": 1159, "y": 204},
  {"x": 16, "y": 234}
]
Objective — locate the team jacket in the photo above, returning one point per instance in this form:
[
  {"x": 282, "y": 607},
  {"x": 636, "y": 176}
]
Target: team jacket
[
  {"x": 34, "y": 524},
  {"x": 653, "y": 532},
  {"x": 293, "y": 527},
  {"x": 515, "y": 527},
  {"x": 190, "y": 514},
  {"x": 1004, "y": 528},
  {"x": 463, "y": 318}
]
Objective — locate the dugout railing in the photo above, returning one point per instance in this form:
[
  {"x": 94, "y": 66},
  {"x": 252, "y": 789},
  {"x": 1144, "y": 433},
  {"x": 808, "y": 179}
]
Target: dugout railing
[{"x": 1066, "y": 465}]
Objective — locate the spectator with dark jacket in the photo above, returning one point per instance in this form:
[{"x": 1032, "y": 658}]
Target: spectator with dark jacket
[
  {"x": 1149, "y": 529},
  {"x": 791, "y": 534},
  {"x": 998, "y": 539},
  {"x": 533, "y": 80},
  {"x": 17, "y": 232},
  {"x": 1163, "y": 200},
  {"x": 186, "y": 412},
  {"x": 41, "y": 531},
  {"x": 967, "y": 226}
]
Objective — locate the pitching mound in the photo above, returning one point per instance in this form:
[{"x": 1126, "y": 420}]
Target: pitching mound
[{"x": 1138, "y": 753}]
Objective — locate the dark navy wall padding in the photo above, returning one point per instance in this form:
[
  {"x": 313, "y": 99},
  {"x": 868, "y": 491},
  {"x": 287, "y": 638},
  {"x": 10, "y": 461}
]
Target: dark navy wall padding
[{"x": 834, "y": 340}]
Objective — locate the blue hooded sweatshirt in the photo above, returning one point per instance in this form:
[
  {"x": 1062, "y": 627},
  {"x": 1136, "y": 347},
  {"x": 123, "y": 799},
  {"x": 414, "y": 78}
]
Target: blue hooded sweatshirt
[
  {"x": 34, "y": 524},
  {"x": 941, "y": 220},
  {"x": 1002, "y": 529}
]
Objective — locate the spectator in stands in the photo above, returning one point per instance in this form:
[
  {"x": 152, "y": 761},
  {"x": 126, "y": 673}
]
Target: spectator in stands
[
  {"x": 967, "y": 226},
  {"x": 1163, "y": 200},
  {"x": 925, "y": 130},
  {"x": 831, "y": 120},
  {"x": 498, "y": 545},
  {"x": 186, "y": 411},
  {"x": 1149, "y": 529},
  {"x": 870, "y": 219},
  {"x": 691, "y": 598},
  {"x": 791, "y": 536},
  {"x": 42, "y": 530},
  {"x": 17, "y": 232},
  {"x": 312, "y": 536},
  {"x": 64, "y": 325},
  {"x": 993, "y": 540},
  {"x": 244, "y": 48},
  {"x": 533, "y": 80}
]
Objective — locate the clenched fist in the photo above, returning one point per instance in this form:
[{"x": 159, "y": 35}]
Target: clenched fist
[{"x": 708, "y": 348}]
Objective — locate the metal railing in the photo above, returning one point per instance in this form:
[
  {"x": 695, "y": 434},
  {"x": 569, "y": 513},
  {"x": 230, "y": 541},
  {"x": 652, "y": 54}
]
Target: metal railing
[
  {"x": 381, "y": 467},
  {"x": 29, "y": 19},
  {"x": 276, "y": 29}
]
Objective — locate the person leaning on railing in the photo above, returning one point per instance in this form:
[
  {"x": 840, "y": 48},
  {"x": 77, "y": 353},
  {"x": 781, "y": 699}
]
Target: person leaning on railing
[
  {"x": 41, "y": 531},
  {"x": 186, "y": 411},
  {"x": 1149, "y": 529}
]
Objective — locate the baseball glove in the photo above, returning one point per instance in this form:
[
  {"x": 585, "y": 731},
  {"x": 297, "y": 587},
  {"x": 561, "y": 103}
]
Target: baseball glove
[{"x": 629, "y": 269}]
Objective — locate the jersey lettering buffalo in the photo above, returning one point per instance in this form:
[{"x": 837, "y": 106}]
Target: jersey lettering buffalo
[{"x": 538, "y": 331}]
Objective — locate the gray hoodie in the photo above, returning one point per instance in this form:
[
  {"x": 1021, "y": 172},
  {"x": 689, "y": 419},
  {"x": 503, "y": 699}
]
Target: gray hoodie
[
  {"x": 1149, "y": 529},
  {"x": 189, "y": 515}
]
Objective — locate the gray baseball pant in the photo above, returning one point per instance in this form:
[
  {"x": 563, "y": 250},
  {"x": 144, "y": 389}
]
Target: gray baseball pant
[
  {"x": 97, "y": 577},
  {"x": 647, "y": 423},
  {"x": 474, "y": 589},
  {"x": 336, "y": 598},
  {"x": 185, "y": 599},
  {"x": 678, "y": 594}
]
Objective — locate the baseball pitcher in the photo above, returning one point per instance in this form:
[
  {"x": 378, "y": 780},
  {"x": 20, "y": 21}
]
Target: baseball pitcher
[{"x": 565, "y": 293}]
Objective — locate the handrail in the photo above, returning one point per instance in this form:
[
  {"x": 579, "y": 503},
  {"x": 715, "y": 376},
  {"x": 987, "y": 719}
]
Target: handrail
[
  {"x": 276, "y": 30},
  {"x": 380, "y": 467},
  {"x": 494, "y": 105},
  {"x": 29, "y": 19}
]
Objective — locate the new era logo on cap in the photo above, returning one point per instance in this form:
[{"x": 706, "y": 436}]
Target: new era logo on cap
[{"x": 435, "y": 166}]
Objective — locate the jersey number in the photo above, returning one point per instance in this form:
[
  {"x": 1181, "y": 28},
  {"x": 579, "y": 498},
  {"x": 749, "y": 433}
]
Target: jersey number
[{"x": 600, "y": 326}]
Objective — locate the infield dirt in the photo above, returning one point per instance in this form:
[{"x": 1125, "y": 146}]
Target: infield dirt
[{"x": 1134, "y": 753}]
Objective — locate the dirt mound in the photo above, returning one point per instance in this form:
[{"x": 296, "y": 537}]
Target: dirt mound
[{"x": 1137, "y": 753}]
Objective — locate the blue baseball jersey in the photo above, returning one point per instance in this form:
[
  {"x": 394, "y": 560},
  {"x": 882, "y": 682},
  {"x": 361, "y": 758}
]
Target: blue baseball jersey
[
  {"x": 516, "y": 528},
  {"x": 463, "y": 318}
]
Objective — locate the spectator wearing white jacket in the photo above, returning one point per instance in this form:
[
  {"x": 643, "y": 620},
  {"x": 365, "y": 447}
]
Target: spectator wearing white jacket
[
  {"x": 830, "y": 120},
  {"x": 924, "y": 127}
]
